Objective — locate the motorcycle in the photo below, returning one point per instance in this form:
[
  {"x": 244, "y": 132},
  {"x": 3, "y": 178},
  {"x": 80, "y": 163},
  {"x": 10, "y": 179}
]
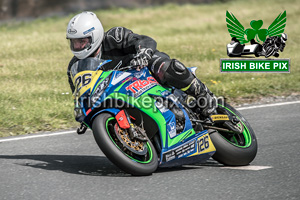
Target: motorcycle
[
  {"x": 270, "y": 48},
  {"x": 140, "y": 125},
  {"x": 273, "y": 45}
]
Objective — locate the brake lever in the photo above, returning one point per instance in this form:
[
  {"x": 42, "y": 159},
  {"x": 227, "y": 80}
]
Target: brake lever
[
  {"x": 129, "y": 67},
  {"x": 125, "y": 68}
]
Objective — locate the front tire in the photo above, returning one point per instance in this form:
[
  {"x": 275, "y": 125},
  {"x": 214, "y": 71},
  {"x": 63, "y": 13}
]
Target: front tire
[
  {"x": 269, "y": 51},
  {"x": 238, "y": 149},
  {"x": 133, "y": 164}
]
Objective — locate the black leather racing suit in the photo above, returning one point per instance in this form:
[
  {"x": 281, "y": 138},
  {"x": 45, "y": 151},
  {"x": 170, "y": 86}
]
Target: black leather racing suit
[{"x": 120, "y": 45}]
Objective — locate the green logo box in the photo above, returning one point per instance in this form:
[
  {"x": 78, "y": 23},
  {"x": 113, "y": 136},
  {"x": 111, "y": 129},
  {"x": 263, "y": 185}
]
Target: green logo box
[{"x": 255, "y": 65}]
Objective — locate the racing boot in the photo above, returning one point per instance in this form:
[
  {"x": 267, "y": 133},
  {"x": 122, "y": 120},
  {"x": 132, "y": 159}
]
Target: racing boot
[{"x": 206, "y": 100}]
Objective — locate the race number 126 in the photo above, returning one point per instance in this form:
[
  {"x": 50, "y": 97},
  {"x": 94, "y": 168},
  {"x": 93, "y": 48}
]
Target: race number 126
[{"x": 203, "y": 143}]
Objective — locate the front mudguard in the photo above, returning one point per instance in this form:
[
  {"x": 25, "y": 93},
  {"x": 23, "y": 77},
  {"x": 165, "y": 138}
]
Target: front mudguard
[
  {"x": 89, "y": 120},
  {"x": 113, "y": 111}
]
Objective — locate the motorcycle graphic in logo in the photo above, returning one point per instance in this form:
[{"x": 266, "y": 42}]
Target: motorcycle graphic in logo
[{"x": 273, "y": 39}]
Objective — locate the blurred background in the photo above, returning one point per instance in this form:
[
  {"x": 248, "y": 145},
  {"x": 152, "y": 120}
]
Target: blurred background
[
  {"x": 28, "y": 9},
  {"x": 34, "y": 53}
]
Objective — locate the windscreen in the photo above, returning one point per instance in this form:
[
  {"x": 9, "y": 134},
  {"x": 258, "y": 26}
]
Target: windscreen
[{"x": 90, "y": 63}]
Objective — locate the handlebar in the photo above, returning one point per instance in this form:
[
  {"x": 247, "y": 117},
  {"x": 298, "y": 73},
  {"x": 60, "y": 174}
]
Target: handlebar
[{"x": 129, "y": 67}]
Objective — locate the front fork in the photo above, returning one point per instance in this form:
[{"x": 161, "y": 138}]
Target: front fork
[{"x": 124, "y": 121}]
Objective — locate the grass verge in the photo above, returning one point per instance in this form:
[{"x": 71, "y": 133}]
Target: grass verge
[{"x": 35, "y": 94}]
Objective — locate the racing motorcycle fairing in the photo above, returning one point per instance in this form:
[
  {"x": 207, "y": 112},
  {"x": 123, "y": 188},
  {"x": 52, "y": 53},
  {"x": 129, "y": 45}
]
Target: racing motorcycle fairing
[
  {"x": 198, "y": 149},
  {"x": 138, "y": 92}
]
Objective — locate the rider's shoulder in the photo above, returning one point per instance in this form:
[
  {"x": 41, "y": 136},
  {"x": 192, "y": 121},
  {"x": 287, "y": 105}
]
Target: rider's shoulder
[
  {"x": 117, "y": 28},
  {"x": 117, "y": 33}
]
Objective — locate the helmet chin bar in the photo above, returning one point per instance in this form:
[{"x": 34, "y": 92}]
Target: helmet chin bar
[{"x": 83, "y": 54}]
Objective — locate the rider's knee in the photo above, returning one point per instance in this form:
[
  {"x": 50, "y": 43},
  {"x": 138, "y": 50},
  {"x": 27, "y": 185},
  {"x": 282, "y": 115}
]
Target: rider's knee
[
  {"x": 171, "y": 72},
  {"x": 177, "y": 75}
]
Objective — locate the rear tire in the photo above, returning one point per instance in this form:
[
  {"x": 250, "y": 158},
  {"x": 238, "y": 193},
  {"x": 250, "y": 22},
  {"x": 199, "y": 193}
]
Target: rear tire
[
  {"x": 238, "y": 153},
  {"x": 114, "y": 153}
]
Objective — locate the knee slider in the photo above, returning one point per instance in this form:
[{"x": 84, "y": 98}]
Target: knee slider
[
  {"x": 178, "y": 75},
  {"x": 178, "y": 67}
]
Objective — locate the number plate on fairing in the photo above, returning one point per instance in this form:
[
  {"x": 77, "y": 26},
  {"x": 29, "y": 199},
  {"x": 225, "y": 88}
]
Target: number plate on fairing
[
  {"x": 204, "y": 145},
  {"x": 194, "y": 147}
]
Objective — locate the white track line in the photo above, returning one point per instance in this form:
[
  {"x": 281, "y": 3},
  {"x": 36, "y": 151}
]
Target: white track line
[
  {"x": 73, "y": 131},
  {"x": 249, "y": 167},
  {"x": 268, "y": 105},
  {"x": 36, "y": 136}
]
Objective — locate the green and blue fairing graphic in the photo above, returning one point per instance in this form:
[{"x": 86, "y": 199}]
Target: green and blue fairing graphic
[{"x": 111, "y": 91}]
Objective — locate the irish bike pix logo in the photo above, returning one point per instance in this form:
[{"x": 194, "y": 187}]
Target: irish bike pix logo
[{"x": 268, "y": 43}]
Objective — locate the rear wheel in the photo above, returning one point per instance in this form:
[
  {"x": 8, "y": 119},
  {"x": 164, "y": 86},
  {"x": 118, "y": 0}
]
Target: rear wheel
[
  {"x": 134, "y": 157},
  {"x": 235, "y": 149}
]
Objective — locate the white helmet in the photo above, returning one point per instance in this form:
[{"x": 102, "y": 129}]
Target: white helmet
[
  {"x": 283, "y": 37},
  {"x": 86, "y": 33}
]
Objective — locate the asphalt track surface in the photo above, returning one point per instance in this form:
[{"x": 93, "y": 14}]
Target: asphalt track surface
[{"x": 69, "y": 166}]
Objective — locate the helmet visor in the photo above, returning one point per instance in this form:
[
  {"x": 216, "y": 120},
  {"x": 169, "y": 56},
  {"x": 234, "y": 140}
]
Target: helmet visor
[{"x": 79, "y": 44}]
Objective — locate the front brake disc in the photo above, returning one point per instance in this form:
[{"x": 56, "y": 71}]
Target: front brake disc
[{"x": 135, "y": 146}]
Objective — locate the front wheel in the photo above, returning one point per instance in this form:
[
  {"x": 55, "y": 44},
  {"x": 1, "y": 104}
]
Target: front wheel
[
  {"x": 269, "y": 51},
  {"x": 235, "y": 149},
  {"x": 134, "y": 157}
]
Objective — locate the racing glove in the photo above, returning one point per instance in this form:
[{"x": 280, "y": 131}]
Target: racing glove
[{"x": 142, "y": 57}]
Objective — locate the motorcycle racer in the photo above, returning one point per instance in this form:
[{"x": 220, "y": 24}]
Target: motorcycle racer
[
  {"x": 119, "y": 44},
  {"x": 278, "y": 41}
]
